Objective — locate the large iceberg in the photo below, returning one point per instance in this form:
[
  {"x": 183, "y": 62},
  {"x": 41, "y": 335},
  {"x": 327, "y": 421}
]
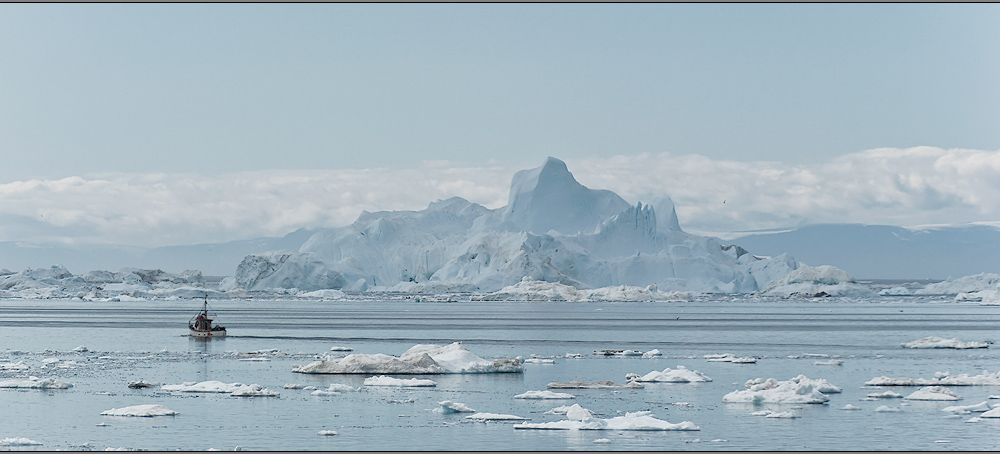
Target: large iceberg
[
  {"x": 419, "y": 359},
  {"x": 824, "y": 280},
  {"x": 553, "y": 229}
]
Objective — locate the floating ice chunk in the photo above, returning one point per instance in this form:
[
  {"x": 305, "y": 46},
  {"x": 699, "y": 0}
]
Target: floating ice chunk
[
  {"x": 324, "y": 393},
  {"x": 631, "y": 421},
  {"x": 255, "y": 359},
  {"x": 994, "y": 413},
  {"x": 294, "y": 386},
  {"x": 574, "y": 355},
  {"x": 148, "y": 410},
  {"x": 823, "y": 280},
  {"x": 561, "y": 410},
  {"x": 539, "y": 361},
  {"x": 602, "y": 440},
  {"x": 327, "y": 433},
  {"x": 937, "y": 342},
  {"x": 35, "y": 383},
  {"x": 14, "y": 366},
  {"x": 334, "y": 390},
  {"x": 81, "y": 349},
  {"x": 495, "y": 417},
  {"x": 720, "y": 357},
  {"x": 210, "y": 386},
  {"x": 933, "y": 393},
  {"x": 341, "y": 349},
  {"x": 895, "y": 291},
  {"x": 544, "y": 395},
  {"x": 832, "y": 362},
  {"x": 782, "y": 415},
  {"x": 447, "y": 407},
  {"x": 652, "y": 354},
  {"x": 419, "y": 359},
  {"x": 744, "y": 360},
  {"x": 977, "y": 408},
  {"x": 941, "y": 378},
  {"x": 19, "y": 441},
  {"x": 761, "y": 413},
  {"x": 324, "y": 294},
  {"x": 850, "y": 407},
  {"x": 885, "y": 395},
  {"x": 600, "y": 384},
  {"x": 141, "y": 384},
  {"x": 383, "y": 380},
  {"x": 801, "y": 390},
  {"x": 253, "y": 390},
  {"x": 887, "y": 409},
  {"x": 631, "y": 353},
  {"x": 680, "y": 375}
]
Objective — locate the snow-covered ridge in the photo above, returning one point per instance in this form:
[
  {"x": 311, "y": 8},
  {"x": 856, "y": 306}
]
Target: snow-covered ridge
[{"x": 553, "y": 229}]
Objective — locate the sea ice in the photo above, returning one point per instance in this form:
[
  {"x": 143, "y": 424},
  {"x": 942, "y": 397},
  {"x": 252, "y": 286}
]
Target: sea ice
[
  {"x": 782, "y": 415},
  {"x": 495, "y": 417},
  {"x": 933, "y": 393},
  {"x": 253, "y": 390},
  {"x": 341, "y": 349},
  {"x": 680, "y": 375},
  {"x": 937, "y": 342},
  {"x": 210, "y": 386},
  {"x": 885, "y": 395},
  {"x": 538, "y": 361},
  {"x": 994, "y": 413},
  {"x": 419, "y": 359},
  {"x": 579, "y": 418},
  {"x": 35, "y": 383},
  {"x": 327, "y": 433},
  {"x": 977, "y": 408},
  {"x": 832, "y": 362},
  {"x": 941, "y": 378},
  {"x": 447, "y": 406},
  {"x": 147, "y": 410},
  {"x": 383, "y": 380},
  {"x": 141, "y": 384},
  {"x": 887, "y": 409},
  {"x": 18, "y": 441},
  {"x": 850, "y": 407},
  {"x": 800, "y": 390},
  {"x": 544, "y": 395},
  {"x": 824, "y": 280},
  {"x": 600, "y": 384}
]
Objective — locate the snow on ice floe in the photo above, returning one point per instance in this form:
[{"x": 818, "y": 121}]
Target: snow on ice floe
[
  {"x": 940, "y": 378},
  {"x": 19, "y": 441},
  {"x": 994, "y": 413},
  {"x": 333, "y": 390},
  {"x": 579, "y": 418},
  {"x": 937, "y": 342},
  {"x": 680, "y": 375},
  {"x": 419, "y": 359},
  {"x": 824, "y": 280},
  {"x": 496, "y": 417},
  {"x": 600, "y": 384},
  {"x": 933, "y": 393},
  {"x": 147, "y": 410},
  {"x": 544, "y": 395},
  {"x": 253, "y": 390},
  {"x": 533, "y": 290},
  {"x": 337, "y": 348},
  {"x": 210, "y": 386},
  {"x": 383, "y": 380},
  {"x": 448, "y": 407},
  {"x": 35, "y": 383},
  {"x": 798, "y": 390}
]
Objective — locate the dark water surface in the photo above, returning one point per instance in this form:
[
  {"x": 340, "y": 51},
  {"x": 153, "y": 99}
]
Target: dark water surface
[{"x": 129, "y": 341}]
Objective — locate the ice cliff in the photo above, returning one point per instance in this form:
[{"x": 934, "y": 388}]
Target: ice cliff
[{"x": 553, "y": 229}]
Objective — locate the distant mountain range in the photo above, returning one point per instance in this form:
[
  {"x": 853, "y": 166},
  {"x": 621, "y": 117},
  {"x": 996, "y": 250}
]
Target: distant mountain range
[{"x": 886, "y": 252}]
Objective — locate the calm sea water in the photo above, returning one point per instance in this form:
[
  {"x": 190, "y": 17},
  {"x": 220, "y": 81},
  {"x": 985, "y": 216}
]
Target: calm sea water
[{"x": 147, "y": 340}]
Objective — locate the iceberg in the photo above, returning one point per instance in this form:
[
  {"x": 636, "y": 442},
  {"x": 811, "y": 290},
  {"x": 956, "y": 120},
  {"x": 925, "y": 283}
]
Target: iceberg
[
  {"x": 148, "y": 410},
  {"x": 824, "y": 280},
  {"x": 553, "y": 229},
  {"x": 253, "y": 390},
  {"x": 937, "y": 342},
  {"x": 383, "y": 380},
  {"x": 419, "y": 359},
  {"x": 447, "y": 406},
  {"x": 544, "y": 395},
  {"x": 933, "y": 393},
  {"x": 966, "y": 284},
  {"x": 940, "y": 379},
  {"x": 579, "y": 418},
  {"x": 679, "y": 375},
  {"x": 798, "y": 390},
  {"x": 35, "y": 383}
]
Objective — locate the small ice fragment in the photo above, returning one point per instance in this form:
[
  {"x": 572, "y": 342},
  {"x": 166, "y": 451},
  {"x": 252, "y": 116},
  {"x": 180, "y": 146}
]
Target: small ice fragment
[
  {"x": 327, "y": 433},
  {"x": 886, "y": 395},
  {"x": 602, "y": 440},
  {"x": 887, "y": 409},
  {"x": 341, "y": 349},
  {"x": 148, "y": 410},
  {"x": 933, "y": 393},
  {"x": 850, "y": 407},
  {"x": 544, "y": 395},
  {"x": 782, "y": 415},
  {"x": 447, "y": 406},
  {"x": 383, "y": 380},
  {"x": 832, "y": 362},
  {"x": 495, "y": 417}
]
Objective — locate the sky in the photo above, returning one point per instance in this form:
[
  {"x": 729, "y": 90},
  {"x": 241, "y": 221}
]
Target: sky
[{"x": 153, "y": 125}]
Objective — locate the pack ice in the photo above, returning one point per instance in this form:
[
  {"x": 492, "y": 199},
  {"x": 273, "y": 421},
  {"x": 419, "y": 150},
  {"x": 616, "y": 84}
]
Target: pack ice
[
  {"x": 553, "y": 229},
  {"x": 419, "y": 359}
]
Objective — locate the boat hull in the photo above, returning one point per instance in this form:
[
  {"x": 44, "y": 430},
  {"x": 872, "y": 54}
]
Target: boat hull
[{"x": 207, "y": 334}]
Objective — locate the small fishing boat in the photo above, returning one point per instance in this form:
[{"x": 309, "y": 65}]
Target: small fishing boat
[{"x": 201, "y": 326}]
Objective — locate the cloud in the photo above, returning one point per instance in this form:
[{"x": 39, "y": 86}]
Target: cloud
[{"x": 922, "y": 185}]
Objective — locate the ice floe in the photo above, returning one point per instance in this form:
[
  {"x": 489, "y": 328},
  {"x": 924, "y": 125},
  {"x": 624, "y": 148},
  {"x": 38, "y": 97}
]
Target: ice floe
[
  {"x": 19, "y": 441},
  {"x": 973, "y": 283},
  {"x": 850, "y": 407},
  {"x": 383, "y": 380},
  {"x": 983, "y": 406},
  {"x": 680, "y": 375},
  {"x": 782, "y": 415},
  {"x": 887, "y": 409},
  {"x": 210, "y": 386},
  {"x": 600, "y": 384},
  {"x": 800, "y": 390},
  {"x": 146, "y": 410},
  {"x": 253, "y": 390},
  {"x": 495, "y": 417},
  {"x": 327, "y": 433},
  {"x": 730, "y": 358},
  {"x": 994, "y": 413},
  {"x": 579, "y": 418},
  {"x": 419, "y": 359},
  {"x": 544, "y": 395},
  {"x": 35, "y": 383},
  {"x": 447, "y": 406},
  {"x": 141, "y": 384},
  {"x": 940, "y": 378},
  {"x": 933, "y": 393},
  {"x": 886, "y": 395},
  {"x": 937, "y": 342},
  {"x": 832, "y": 362}
]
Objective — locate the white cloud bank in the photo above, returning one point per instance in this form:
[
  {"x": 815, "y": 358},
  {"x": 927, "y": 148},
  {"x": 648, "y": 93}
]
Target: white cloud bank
[{"x": 913, "y": 186}]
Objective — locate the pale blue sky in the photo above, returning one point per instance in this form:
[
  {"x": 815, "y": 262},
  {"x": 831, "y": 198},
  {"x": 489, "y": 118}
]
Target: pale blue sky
[{"x": 216, "y": 88}]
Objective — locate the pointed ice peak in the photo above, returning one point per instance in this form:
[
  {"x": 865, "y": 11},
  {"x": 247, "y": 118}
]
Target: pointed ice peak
[
  {"x": 549, "y": 198},
  {"x": 668, "y": 221}
]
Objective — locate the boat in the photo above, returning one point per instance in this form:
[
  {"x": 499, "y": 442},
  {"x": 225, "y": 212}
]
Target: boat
[{"x": 200, "y": 326}]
